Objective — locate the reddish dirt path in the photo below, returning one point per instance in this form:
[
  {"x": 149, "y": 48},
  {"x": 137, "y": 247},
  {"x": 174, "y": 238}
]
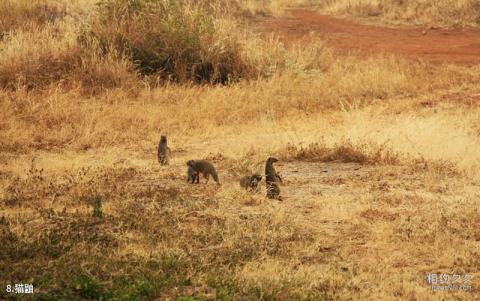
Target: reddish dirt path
[{"x": 439, "y": 45}]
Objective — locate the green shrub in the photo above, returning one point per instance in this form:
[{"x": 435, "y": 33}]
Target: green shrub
[
  {"x": 90, "y": 288},
  {"x": 178, "y": 41}
]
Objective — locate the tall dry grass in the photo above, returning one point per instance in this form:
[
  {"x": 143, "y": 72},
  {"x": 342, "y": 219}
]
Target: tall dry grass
[
  {"x": 197, "y": 109},
  {"x": 50, "y": 57},
  {"x": 372, "y": 110},
  {"x": 22, "y": 14},
  {"x": 118, "y": 43}
]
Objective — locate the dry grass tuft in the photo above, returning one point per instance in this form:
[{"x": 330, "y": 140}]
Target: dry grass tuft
[
  {"x": 18, "y": 15},
  {"x": 50, "y": 57},
  {"x": 315, "y": 152}
]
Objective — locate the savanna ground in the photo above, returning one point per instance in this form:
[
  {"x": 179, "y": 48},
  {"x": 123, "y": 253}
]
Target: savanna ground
[{"x": 379, "y": 149}]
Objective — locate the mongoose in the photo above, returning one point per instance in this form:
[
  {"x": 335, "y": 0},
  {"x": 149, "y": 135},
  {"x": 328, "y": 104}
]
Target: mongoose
[
  {"x": 251, "y": 182},
  {"x": 192, "y": 175},
  {"x": 271, "y": 178},
  {"x": 163, "y": 151},
  {"x": 204, "y": 167}
]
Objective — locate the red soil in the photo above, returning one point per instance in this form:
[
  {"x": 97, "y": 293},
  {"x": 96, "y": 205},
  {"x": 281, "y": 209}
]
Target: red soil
[{"x": 438, "y": 45}]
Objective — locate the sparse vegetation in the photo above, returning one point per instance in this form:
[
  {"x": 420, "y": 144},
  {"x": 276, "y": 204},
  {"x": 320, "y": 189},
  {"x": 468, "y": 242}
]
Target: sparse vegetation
[{"x": 379, "y": 156}]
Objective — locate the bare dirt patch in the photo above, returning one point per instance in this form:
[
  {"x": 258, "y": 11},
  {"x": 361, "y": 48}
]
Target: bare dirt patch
[{"x": 346, "y": 36}]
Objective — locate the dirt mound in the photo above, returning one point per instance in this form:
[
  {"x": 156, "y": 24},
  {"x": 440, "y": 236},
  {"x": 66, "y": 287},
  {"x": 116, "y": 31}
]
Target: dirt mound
[{"x": 438, "y": 45}]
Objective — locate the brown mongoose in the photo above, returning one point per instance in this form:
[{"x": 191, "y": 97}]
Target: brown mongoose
[
  {"x": 204, "y": 167},
  {"x": 271, "y": 178},
  {"x": 251, "y": 182},
  {"x": 163, "y": 151},
  {"x": 192, "y": 175}
]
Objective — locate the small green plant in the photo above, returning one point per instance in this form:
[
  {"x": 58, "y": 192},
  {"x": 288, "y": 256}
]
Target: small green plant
[
  {"x": 187, "y": 299},
  {"x": 90, "y": 288},
  {"x": 97, "y": 208}
]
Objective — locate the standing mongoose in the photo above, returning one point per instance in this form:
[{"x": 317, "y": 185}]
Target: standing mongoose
[
  {"x": 251, "y": 182},
  {"x": 271, "y": 178},
  {"x": 192, "y": 175},
  {"x": 204, "y": 167},
  {"x": 163, "y": 151}
]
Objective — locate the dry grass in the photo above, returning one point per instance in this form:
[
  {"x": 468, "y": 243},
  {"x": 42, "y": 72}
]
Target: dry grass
[
  {"x": 22, "y": 14},
  {"x": 34, "y": 121},
  {"x": 273, "y": 7},
  {"x": 45, "y": 58},
  {"x": 380, "y": 158}
]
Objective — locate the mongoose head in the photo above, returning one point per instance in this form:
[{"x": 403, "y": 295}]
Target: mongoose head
[
  {"x": 256, "y": 177},
  {"x": 190, "y": 163},
  {"x": 272, "y": 160},
  {"x": 163, "y": 138}
]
